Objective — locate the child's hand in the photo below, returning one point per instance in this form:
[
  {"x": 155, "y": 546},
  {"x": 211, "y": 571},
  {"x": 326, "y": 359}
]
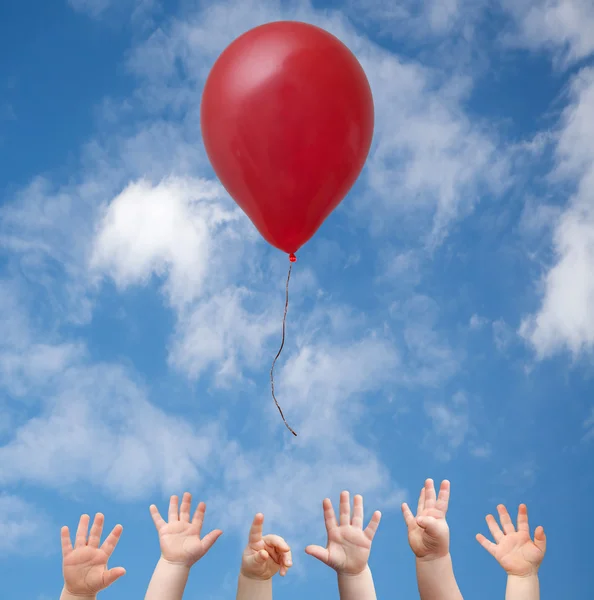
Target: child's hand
[
  {"x": 180, "y": 538},
  {"x": 348, "y": 547},
  {"x": 514, "y": 550},
  {"x": 264, "y": 556},
  {"x": 85, "y": 566},
  {"x": 428, "y": 532}
]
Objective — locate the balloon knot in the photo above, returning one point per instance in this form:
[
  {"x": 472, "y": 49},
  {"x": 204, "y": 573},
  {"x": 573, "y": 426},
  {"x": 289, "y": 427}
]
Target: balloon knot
[{"x": 292, "y": 257}]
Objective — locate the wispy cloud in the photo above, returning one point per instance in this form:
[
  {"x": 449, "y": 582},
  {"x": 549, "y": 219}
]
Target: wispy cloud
[
  {"x": 563, "y": 27},
  {"x": 450, "y": 426},
  {"x": 25, "y": 529},
  {"x": 565, "y": 319},
  {"x": 139, "y": 11}
]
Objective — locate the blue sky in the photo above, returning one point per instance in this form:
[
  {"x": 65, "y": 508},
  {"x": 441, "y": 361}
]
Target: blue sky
[{"x": 440, "y": 321}]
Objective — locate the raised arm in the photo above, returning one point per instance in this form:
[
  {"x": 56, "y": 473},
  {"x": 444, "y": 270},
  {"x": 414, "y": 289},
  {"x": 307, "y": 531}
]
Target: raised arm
[
  {"x": 429, "y": 539},
  {"x": 263, "y": 557},
  {"x": 515, "y": 551},
  {"x": 84, "y": 565},
  {"x": 348, "y": 548},
  {"x": 181, "y": 547}
]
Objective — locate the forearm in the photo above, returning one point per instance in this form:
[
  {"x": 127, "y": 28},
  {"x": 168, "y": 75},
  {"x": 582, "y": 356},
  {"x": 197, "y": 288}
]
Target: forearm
[
  {"x": 522, "y": 588},
  {"x": 168, "y": 581},
  {"x": 436, "y": 579},
  {"x": 356, "y": 587},
  {"x": 66, "y": 595},
  {"x": 253, "y": 589}
]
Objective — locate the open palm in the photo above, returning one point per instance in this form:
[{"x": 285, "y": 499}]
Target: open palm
[
  {"x": 180, "y": 537},
  {"x": 85, "y": 565},
  {"x": 428, "y": 530},
  {"x": 349, "y": 545},
  {"x": 514, "y": 549}
]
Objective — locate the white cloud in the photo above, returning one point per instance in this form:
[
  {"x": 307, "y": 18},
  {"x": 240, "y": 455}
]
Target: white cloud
[
  {"x": 450, "y": 426},
  {"x": 24, "y": 527},
  {"x": 169, "y": 230},
  {"x": 429, "y": 358},
  {"x": 140, "y": 11},
  {"x": 565, "y": 319},
  {"x": 187, "y": 233},
  {"x": 477, "y": 322},
  {"x": 503, "y": 334},
  {"x": 219, "y": 332},
  {"x": 419, "y": 18},
  {"x": 589, "y": 426},
  {"x": 97, "y": 427},
  {"x": 561, "y": 26}
]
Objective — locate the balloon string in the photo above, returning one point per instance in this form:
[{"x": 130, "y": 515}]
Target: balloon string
[{"x": 281, "y": 349}]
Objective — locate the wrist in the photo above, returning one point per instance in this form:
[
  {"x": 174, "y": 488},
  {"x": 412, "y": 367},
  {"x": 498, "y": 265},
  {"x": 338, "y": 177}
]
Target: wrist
[
  {"x": 66, "y": 595},
  {"x": 172, "y": 565},
  {"x": 434, "y": 559},
  {"x": 358, "y": 575},
  {"x": 525, "y": 577},
  {"x": 255, "y": 578}
]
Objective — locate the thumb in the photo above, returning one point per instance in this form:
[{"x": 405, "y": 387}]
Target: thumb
[
  {"x": 112, "y": 575},
  {"x": 261, "y": 557},
  {"x": 428, "y": 524},
  {"x": 318, "y": 552},
  {"x": 540, "y": 539},
  {"x": 210, "y": 538}
]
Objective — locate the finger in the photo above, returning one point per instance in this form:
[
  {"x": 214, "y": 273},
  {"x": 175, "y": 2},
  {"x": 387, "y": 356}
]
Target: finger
[
  {"x": 210, "y": 538},
  {"x": 329, "y": 516},
  {"x": 186, "y": 505},
  {"x": 157, "y": 518},
  {"x": 173, "y": 509},
  {"x": 276, "y": 542},
  {"x": 344, "y": 508},
  {"x": 488, "y": 545},
  {"x": 81, "y": 533},
  {"x": 430, "y": 497},
  {"x": 443, "y": 499},
  {"x": 111, "y": 541},
  {"x": 357, "y": 520},
  {"x": 261, "y": 556},
  {"x": 506, "y": 522},
  {"x": 409, "y": 518},
  {"x": 371, "y": 529},
  {"x": 256, "y": 529},
  {"x": 66, "y": 541},
  {"x": 523, "y": 524},
  {"x": 198, "y": 518},
  {"x": 112, "y": 575},
  {"x": 96, "y": 530},
  {"x": 429, "y": 524},
  {"x": 494, "y": 528},
  {"x": 421, "y": 504},
  {"x": 288, "y": 559},
  {"x": 540, "y": 539},
  {"x": 318, "y": 552}
]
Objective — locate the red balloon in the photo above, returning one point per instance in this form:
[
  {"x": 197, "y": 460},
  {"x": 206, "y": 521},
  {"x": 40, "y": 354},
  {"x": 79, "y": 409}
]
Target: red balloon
[{"x": 287, "y": 120}]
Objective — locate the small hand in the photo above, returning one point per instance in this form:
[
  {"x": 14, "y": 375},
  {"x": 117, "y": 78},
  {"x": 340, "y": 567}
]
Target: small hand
[
  {"x": 428, "y": 531},
  {"x": 85, "y": 566},
  {"x": 513, "y": 549},
  {"x": 349, "y": 545},
  {"x": 264, "y": 556},
  {"x": 180, "y": 538}
]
